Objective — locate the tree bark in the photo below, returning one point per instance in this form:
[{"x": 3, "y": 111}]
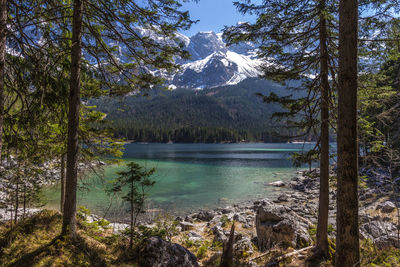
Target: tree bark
[
  {"x": 24, "y": 203},
  {"x": 62, "y": 181},
  {"x": 16, "y": 203},
  {"x": 322, "y": 246},
  {"x": 131, "y": 233},
  {"x": 69, "y": 218},
  {"x": 347, "y": 238},
  {"x": 3, "y": 43}
]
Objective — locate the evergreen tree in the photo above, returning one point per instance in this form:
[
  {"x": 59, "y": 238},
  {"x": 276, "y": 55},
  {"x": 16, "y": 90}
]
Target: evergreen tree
[
  {"x": 347, "y": 237},
  {"x": 69, "y": 215},
  {"x": 297, "y": 41},
  {"x": 136, "y": 180},
  {"x": 3, "y": 43},
  {"x": 99, "y": 29}
]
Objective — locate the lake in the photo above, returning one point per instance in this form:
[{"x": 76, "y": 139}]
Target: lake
[{"x": 193, "y": 176}]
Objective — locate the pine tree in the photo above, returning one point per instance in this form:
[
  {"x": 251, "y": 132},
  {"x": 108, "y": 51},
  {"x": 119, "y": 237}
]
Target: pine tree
[
  {"x": 296, "y": 40},
  {"x": 3, "y": 43},
  {"x": 69, "y": 216},
  {"x": 137, "y": 181},
  {"x": 119, "y": 23},
  {"x": 347, "y": 237}
]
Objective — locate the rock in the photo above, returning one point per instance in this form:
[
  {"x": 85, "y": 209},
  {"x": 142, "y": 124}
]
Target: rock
[
  {"x": 386, "y": 219},
  {"x": 367, "y": 195},
  {"x": 189, "y": 218},
  {"x": 388, "y": 207},
  {"x": 377, "y": 229},
  {"x": 281, "y": 198},
  {"x": 243, "y": 247},
  {"x": 204, "y": 215},
  {"x": 186, "y": 226},
  {"x": 383, "y": 234},
  {"x": 247, "y": 225},
  {"x": 193, "y": 236},
  {"x": 227, "y": 210},
  {"x": 156, "y": 252},
  {"x": 277, "y": 184},
  {"x": 252, "y": 264},
  {"x": 215, "y": 220},
  {"x": 239, "y": 218},
  {"x": 275, "y": 225},
  {"x": 219, "y": 235}
]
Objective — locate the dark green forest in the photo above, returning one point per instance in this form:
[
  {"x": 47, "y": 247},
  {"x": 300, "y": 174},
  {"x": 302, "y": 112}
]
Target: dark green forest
[{"x": 222, "y": 114}]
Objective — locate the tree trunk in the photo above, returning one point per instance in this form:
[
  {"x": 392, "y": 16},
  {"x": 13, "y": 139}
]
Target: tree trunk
[
  {"x": 227, "y": 254},
  {"x": 3, "y": 42},
  {"x": 69, "y": 218},
  {"x": 322, "y": 245},
  {"x": 11, "y": 216},
  {"x": 16, "y": 202},
  {"x": 131, "y": 233},
  {"x": 62, "y": 181},
  {"x": 347, "y": 238},
  {"x": 24, "y": 203}
]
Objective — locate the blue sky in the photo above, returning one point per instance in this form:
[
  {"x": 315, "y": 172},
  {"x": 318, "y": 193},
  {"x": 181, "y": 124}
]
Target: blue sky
[{"x": 213, "y": 15}]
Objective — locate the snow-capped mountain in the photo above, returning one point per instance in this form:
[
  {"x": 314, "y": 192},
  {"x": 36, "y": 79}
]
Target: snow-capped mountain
[{"x": 213, "y": 63}]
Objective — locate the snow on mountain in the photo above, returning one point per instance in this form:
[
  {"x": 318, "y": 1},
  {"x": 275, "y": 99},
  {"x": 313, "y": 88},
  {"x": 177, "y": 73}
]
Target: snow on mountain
[{"x": 214, "y": 64}]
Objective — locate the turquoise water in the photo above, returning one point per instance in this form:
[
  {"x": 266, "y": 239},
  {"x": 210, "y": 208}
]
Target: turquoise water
[{"x": 192, "y": 176}]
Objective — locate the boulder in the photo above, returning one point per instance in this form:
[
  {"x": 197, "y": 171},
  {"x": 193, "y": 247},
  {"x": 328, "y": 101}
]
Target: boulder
[
  {"x": 243, "y": 247},
  {"x": 156, "y": 252},
  {"x": 277, "y": 184},
  {"x": 204, "y": 215},
  {"x": 388, "y": 207},
  {"x": 281, "y": 198},
  {"x": 383, "y": 234},
  {"x": 186, "y": 226},
  {"x": 227, "y": 210},
  {"x": 239, "y": 218},
  {"x": 277, "y": 225},
  {"x": 219, "y": 235}
]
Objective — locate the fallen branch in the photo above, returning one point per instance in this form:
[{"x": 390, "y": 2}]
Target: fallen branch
[
  {"x": 281, "y": 258},
  {"x": 262, "y": 255}
]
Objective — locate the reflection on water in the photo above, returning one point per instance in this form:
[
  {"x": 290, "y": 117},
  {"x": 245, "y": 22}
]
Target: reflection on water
[{"x": 192, "y": 176}]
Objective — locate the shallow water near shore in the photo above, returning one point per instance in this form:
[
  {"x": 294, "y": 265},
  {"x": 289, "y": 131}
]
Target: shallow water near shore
[{"x": 193, "y": 176}]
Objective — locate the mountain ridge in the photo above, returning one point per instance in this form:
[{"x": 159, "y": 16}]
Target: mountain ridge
[{"x": 213, "y": 63}]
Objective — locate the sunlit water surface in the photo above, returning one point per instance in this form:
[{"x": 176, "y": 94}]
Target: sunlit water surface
[{"x": 193, "y": 176}]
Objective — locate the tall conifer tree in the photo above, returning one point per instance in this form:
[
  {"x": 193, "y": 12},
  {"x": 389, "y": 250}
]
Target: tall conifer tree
[
  {"x": 347, "y": 237},
  {"x": 3, "y": 43},
  {"x": 120, "y": 42},
  {"x": 299, "y": 35}
]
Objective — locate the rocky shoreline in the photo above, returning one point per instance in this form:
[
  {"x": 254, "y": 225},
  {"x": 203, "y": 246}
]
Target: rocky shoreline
[
  {"x": 263, "y": 224},
  {"x": 288, "y": 219}
]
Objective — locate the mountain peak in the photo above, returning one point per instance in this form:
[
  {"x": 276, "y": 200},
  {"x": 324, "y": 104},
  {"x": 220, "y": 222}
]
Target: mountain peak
[{"x": 214, "y": 64}]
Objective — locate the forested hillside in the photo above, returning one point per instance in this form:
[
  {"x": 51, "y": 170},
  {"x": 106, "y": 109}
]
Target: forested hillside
[{"x": 222, "y": 114}]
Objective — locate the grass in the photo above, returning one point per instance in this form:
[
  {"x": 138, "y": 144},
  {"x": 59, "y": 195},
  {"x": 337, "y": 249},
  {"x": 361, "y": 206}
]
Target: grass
[{"x": 36, "y": 241}]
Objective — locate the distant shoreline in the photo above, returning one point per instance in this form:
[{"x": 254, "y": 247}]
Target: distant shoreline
[{"x": 220, "y": 143}]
